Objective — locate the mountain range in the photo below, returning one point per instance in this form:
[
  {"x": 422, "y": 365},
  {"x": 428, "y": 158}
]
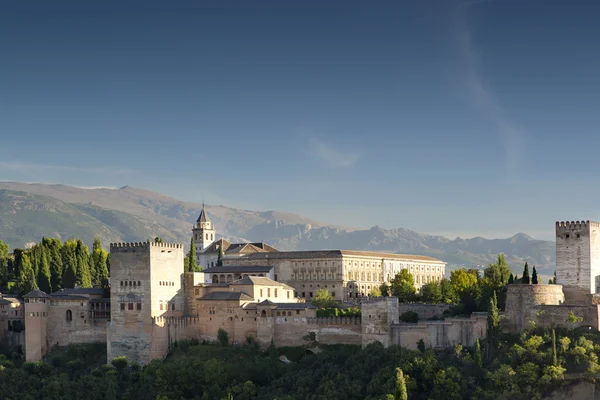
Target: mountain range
[{"x": 30, "y": 211}]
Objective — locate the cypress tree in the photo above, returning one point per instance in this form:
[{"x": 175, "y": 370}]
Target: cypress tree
[
  {"x": 221, "y": 255},
  {"x": 82, "y": 277},
  {"x": 511, "y": 279},
  {"x": 554, "y": 356},
  {"x": 493, "y": 324},
  {"x": 44, "y": 278},
  {"x": 26, "y": 280},
  {"x": 534, "y": 276},
  {"x": 53, "y": 252},
  {"x": 69, "y": 267},
  {"x": 525, "y": 278},
  {"x": 192, "y": 267},
  {"x": 516, "y": 278},
  {"x": 99, "y": 270},
  {"x": 477, "y": 355},
  {"x": 400, "y": 392}
]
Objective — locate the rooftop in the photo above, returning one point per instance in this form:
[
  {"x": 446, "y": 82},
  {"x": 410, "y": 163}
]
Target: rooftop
[
  {"x": 340, "y": 254},
  {"x": 78, "y": 291},
  {"x": 226, "y": 296},
  {"x": 240, "y": 268},
  {"x": 36, "y": 293},
  {"x": 259, "y": 281},
  {"x": 239, "y": 248}
]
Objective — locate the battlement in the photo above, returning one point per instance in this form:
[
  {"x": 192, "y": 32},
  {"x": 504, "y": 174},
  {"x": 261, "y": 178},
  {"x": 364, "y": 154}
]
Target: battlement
[
  {"x": 575, "y": 225},
  {"x": 122, "y": 246},
  {"x": 334, "y": 321},
  {"x": 185, "y": 320}
]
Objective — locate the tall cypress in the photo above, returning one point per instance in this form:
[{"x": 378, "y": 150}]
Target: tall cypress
[
  {"x": 53, "y": 253},
  {"x": 192, "y": 265},
  {"x": 511, "y": 279},
  {"x": 26, "y": 280},
  {"x": 525, "y": 278},
  {"x": 477, "y": 355},
  {"x": 534, "y": 276},
  {"x": 83, "y": 276},
  {"x": 493, "y": 325},
  {"x": 99, "y": 268},
  {"x": 554, "y": 356},
  {"x": 69, "y": 267},
  {"x": 44, "y": 278},
  {"x": 400, "y": 392},
  {"x": 221, "y": 255}
]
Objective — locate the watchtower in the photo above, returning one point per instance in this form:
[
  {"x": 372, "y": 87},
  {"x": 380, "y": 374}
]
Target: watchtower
[
  {"x": 204, "y": 233},
  {"x": 36, "y": 322},
  {"x": 146, "y": 282},
  {"x": 578, "y": 259}
]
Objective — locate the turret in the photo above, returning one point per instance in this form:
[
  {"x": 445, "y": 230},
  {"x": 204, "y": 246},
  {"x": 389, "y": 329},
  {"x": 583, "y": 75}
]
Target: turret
[
  {"x": 203, "y": 232},
  {"x": 36, "y": 317}
]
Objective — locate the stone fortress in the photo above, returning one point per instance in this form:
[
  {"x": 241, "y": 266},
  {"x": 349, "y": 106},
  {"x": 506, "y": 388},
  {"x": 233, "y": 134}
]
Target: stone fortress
[{"x": 262, "y": 293}]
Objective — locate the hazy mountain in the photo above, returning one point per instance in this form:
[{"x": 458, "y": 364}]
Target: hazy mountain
[{"x": 30, "y": 211}]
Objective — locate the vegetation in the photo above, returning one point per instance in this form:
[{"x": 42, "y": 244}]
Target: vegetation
[
  {"x": 338, "y": 312},
  {"x": 323, "y": 299},
  {"x": 51, "y": 265},
  {"x": 524, "y": 366}
]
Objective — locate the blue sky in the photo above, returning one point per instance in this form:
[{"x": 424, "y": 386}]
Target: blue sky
[{"x": 452, "y": 117}]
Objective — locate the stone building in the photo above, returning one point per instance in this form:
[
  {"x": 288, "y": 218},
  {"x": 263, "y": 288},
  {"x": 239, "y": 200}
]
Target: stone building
[{"x": 348, "y": 275}]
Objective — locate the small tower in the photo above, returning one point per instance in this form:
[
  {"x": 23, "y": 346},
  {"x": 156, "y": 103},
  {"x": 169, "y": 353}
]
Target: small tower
[
  {"x": 203, "y": 232},
  {"x": 36, "y": 322}
]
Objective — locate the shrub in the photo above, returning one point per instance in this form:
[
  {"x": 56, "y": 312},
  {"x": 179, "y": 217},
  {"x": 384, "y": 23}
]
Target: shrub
[
  {"x": 409, "y": 316},
  {"x": 223, "y": 337}
]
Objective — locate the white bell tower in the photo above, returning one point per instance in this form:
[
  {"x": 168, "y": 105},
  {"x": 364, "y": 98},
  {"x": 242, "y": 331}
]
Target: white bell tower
[{"x": 204, "y": 233}]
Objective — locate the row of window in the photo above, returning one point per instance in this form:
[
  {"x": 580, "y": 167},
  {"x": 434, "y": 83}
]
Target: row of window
[
  {"x": 165, "y": 306},
  {"x": 310, "y": 294},
  {"x": 131, "y": 283},
  {"x": 138, "y": 306},
  {"x": 36, "y": 314},
  {"x": 164, "y": 283}
]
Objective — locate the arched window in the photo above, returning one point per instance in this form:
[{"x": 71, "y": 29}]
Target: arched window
[
  {"x": 215, "y": 279},
  {"x": 69, "y": 316},
  {"x": 263, "y": 314}
]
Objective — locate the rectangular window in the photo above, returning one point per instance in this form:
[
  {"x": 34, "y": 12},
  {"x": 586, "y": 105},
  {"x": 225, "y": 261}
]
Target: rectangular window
[
  {"x": 197, "y": 291},
  {"x": 130, "y": 306},
  {"x": 161, "y": 306},
  {"x": 333, "y": 294},
  {"x": 173, "y": 306},
  {"x": 261, "y": 293},
  {"x": 122, "y": 306},
  {"x": 268, "y": 292},
  {"x": 288, "y": 294},
  {"x": 139, "y": 306},
  {"x": 275, "y": 292},
  {"x": 303, "y": 294},
  {"x": 310, "y": 294}
]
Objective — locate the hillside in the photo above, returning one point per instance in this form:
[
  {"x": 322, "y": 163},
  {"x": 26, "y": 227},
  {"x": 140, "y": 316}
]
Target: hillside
[{"x": 30, "y": 211}]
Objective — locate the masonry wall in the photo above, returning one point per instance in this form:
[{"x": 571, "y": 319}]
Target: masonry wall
[
  {"x": 521, "y": 298},
  {"x": 80, "y": 329},
  {"x": 290, "y": 331},
  {"x": 441, "y": 334},
  {"x": 377, "y": 316},
  {"x": 425, "y": 311},
  {"x": 36, "y": 339}
]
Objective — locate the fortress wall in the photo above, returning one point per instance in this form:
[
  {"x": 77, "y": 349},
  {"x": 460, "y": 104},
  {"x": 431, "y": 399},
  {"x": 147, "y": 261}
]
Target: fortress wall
[
  {"x": 441, "y": 334},
  {"x": 378, "y": 315},
  {"x": 81, "y": 329},
  {"x": 521, "y": 297},
  {"x": 425, "y": 311},
  {"x": 290, "y": 331},
  {"x": 547, "y": 316}
]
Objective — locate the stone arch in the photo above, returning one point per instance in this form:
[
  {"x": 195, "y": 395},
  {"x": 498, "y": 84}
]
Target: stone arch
[
  {"x": 229, "y": 278},
  {"x": 215, "y": 278},
  {"x": 222, "y": 278},
  {"x": 69, "y": 316},
  {"x": 263, "y": 314}
]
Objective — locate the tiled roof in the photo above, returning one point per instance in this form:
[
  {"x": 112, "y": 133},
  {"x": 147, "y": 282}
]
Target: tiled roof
[
  {"x": 78, "y": 291},
  {"x": 36, "y": 293},
  {"x": 283, "y": 306},
  {"x": 72, "y": 297},
  {"x": 239, "y": 248},
  {"x": 9, "y": 300},
  {"x": 203, "y": 217},
  {"x": 260, "y": 281},
  {"x": 240, "y": 268},
  {"x": 226, "y": 296},
  {"x": 339, "y": 254}
]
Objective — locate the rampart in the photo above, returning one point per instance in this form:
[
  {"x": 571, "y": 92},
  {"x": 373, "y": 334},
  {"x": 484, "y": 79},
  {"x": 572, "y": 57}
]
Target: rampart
[
  {"x": 441, "y": 334},
  {"x": 125, "y": 246},
  {"x": 520, "y": 298},
  {"x": 290, "y": 331},
  {"x": 425, "y": 311}
]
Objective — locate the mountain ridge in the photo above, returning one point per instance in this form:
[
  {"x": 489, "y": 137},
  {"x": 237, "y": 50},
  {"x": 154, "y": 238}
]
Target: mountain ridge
[{"x": 132, "y": 214}]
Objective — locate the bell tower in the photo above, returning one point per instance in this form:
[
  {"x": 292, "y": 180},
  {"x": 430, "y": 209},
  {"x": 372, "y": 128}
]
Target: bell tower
[{"x": 203, "y": 233}]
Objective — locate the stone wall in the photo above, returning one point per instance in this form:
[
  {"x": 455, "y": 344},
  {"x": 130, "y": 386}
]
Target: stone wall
[
  {"x": 377, "y": 316},
  {"x": 425, "y": 311},
  {"x": 521, "y": 298},
  {"x": 441, "y": 334},
  {"x": 290, "y": 331},
  {"x": 577, "y": 255}
]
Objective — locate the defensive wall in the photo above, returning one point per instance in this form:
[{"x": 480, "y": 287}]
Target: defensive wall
[
  {"x": 425, "y": 311},
  {"x": 441, "y": 334},
  {"x": 378, "y": 315}
]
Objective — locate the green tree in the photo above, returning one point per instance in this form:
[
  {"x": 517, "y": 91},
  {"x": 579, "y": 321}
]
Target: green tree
[
  {"x": 83, "y": 277},
  {"x": 384, "y": 288},
  {"x": 192, "y": 266},
  {"x": 534, "y": 276},
  {"x": 511, "y": 279},
  {"x": 3, "y": 262},
  {"x": 26, "y": 279},
  {"x": 432, "y": 292},
  {"x": 526, "y": 279},
  {"x": 223, "y": 337},
  {"x": 69, "y": 267},
  {"x": 448, "y": 293},
  {"x": 375, "y": 292},
  {"x": 220, "y": 257},
  {"x": 554, "y": 355},
  {"x": 421, "y": 346},
  {"x": 323, "y": 299},
  {"x": 53, "y": 252},
  {"x": 400, "y": 392},
  {"x": 573, "y": 319},
  {"x": 403, "y": 287},
  {"x": 99, "y": 271},
  {"x": 493, "y": 325},
  {"x": 43, "y": 275},
  {"x": 157, "y": 240},
  {"x": 477, "y": 355},
  {"x": 498, "y": 273}
]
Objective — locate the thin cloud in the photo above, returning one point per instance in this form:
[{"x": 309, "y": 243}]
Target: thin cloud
[
  {"x": 332, "y": 156},
  {"x": 44, "y": 169},
  {"x": 511, "y": 135}
]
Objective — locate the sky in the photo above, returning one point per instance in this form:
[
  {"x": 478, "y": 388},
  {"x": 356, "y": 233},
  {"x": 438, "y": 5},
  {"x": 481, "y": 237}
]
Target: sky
[{"x": 456, "y": 117}]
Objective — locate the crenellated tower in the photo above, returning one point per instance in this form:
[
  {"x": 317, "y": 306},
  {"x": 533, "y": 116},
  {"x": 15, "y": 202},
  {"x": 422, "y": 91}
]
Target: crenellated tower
[
  {"x": 578, "y": 259},
  {"x": 204, "y": 233}
]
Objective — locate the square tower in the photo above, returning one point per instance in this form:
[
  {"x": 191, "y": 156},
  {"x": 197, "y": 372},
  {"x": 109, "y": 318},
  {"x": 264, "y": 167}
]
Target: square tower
[
  {"x": 578, "y": 257},
  {"x": 146, "y": 282}
]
